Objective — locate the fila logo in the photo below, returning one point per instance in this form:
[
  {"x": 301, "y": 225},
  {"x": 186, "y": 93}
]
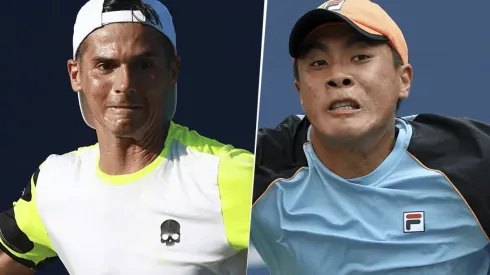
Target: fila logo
[
  {"x": 333, "y": 5},
  {"x": 413, "y": 222}
]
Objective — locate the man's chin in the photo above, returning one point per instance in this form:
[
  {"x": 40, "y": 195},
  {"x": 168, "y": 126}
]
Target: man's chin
[
  {"x": 123, "y": 130},
  {"x": 347, "y": 134},
  {"x": 345, "y": 138},
  {"x": 124, "y": 134}
]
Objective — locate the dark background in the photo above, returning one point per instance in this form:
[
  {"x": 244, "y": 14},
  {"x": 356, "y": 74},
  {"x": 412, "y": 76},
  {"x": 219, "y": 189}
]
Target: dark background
[
  {"x": 220, "y": 46},
  {"x": 448, "y": 45}
]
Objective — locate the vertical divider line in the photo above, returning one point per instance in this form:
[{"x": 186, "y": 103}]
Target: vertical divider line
[{"x": 257, "y": 117}]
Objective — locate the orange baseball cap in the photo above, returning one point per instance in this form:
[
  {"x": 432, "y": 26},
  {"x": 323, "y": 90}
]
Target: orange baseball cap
[{"x": 363, "y": 15}]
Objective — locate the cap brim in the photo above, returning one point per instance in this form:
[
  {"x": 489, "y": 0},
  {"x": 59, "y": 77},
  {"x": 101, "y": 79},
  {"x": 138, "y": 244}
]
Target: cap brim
[{"x": 314, "y": 18}]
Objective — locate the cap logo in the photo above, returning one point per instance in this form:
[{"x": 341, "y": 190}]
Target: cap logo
[{"x": 333, "y": 5}]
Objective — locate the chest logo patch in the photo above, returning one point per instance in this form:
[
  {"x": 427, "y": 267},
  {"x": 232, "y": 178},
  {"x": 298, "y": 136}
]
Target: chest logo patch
[
  {"x": 170, "y": 232},
  {"x": 413, "y": 222}
]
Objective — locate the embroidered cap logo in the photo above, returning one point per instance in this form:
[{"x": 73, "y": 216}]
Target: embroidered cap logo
[{"x": 333, "y": 5}]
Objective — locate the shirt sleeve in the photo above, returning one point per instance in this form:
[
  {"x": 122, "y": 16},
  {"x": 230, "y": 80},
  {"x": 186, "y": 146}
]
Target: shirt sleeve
[
  {"x": 279, "y": 152},
  {"x": 22, "y": 233},
  {"x": 235, "y": 180},
  {"x": 459, "y": 148}
]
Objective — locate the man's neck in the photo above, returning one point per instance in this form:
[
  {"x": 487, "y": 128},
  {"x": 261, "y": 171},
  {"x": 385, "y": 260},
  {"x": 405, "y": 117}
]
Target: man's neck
[
  {"x": 120, "y": 156},
  {"x": 355, "y": 160}
]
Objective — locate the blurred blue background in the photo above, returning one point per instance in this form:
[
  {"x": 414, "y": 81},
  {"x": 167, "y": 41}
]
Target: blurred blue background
[
  {"x": 220, "y": 49},
  {"x": 448, "y": 47}
]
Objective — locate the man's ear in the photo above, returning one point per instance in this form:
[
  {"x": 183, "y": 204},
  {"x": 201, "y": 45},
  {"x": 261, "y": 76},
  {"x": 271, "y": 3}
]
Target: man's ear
[
  {"x": 296, "y": 85},
  {"x": 74, "y": 74},
  {"x": 175, "y": 69},
  {"x": 406, "y": 78}
]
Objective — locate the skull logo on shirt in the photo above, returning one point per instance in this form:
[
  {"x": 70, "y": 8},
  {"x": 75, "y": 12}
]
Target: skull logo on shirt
[{"x": 170, "y": 232}]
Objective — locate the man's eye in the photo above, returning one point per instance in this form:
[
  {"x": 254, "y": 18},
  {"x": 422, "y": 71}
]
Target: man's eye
[
  {"x": 319, "y": 63},
  {"x": 106, "y": 66},
  {"x": 360, "y": 57},
  {"x": 147, "y": 64}
]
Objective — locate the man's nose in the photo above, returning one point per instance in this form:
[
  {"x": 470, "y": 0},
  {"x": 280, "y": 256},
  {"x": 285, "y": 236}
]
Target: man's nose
[
  {"x": 340, "y": 82},
  {"x": 339, "y": 77},
  {"x": 124, "y": 82}
]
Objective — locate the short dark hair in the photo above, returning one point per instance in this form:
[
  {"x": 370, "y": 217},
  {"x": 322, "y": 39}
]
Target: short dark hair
[
  {"x": 397, "y": 63},
  {"x": 133, "y": 5}
]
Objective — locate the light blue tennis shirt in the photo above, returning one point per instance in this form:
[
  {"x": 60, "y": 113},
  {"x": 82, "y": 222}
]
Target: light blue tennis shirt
[{"x": 424, "y": 210}]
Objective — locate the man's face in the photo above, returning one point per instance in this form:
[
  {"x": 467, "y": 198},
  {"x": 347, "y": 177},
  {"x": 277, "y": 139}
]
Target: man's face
[
  {"x": 348, "y": 85},
  {"x": 125, "y": 77}
]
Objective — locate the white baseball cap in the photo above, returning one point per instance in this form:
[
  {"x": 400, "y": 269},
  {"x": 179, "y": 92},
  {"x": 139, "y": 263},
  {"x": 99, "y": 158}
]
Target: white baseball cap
[{"x": 90, "y": 17}]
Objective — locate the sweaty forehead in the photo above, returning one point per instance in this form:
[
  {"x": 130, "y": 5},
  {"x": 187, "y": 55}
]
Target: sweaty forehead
[{"x": 121, "y": 40}]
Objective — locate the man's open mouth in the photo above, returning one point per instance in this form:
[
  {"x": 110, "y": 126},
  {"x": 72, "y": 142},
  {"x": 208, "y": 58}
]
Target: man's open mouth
[{"x": 344, "y": 105}]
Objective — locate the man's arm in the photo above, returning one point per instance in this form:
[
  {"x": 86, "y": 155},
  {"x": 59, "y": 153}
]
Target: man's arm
[
  {"x": 24, "y": 242},
  {"x": 9, "y": 266}
]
